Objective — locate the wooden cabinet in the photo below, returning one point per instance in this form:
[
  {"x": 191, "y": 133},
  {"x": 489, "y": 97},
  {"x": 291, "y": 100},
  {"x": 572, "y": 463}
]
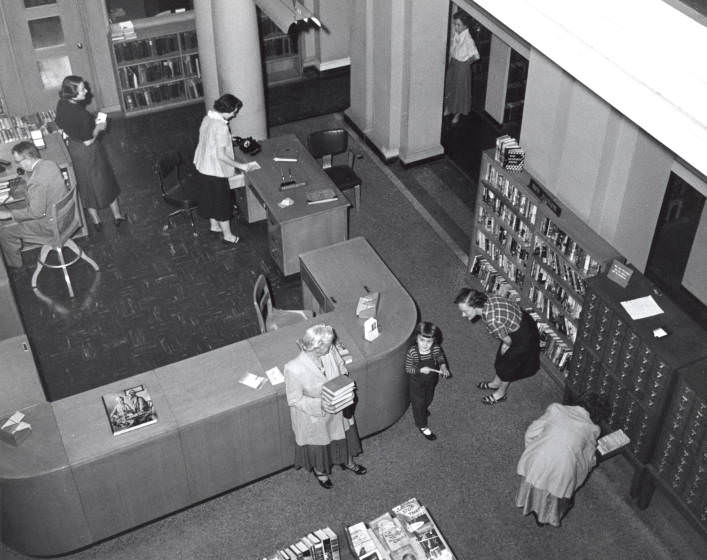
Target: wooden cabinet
[
  {"x": 679, "y": 463},
  {"x": 658, "y": 407},
  {"x": 529, "y": 247},
  {"x": 158, "y": 68}
]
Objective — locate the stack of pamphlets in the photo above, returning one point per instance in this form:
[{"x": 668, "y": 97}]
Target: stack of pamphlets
[
  {"x": 14, "y": 430},
  {"x": 338, "y": 393}
]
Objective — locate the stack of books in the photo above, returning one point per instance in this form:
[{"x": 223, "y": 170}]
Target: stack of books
[
  {"x": 14, "y": 430},
  {"x": 322, "y": 544},
  {"x": 338, "y": 393},
  {"x": 509, "y": 153},
  {"x": 320, "y": 196},
  {"x": 408, "y": 531}
]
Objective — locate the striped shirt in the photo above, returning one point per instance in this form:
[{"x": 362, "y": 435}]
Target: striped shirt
[
  {"x": 501, "y": 315},
  {"x": 412, "y": 358}
]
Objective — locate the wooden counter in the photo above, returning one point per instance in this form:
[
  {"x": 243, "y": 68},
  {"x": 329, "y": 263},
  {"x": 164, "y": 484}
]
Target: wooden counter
[{"x": 77, "y": 483}]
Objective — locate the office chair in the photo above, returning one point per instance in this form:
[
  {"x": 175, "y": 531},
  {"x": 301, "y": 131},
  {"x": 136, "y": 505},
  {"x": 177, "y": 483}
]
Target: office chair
[
  {"x": 326, "y": 144},
  {"x": 175, "y": 189},
  {"x": 64, "y": 220},
  {"x": 271, "y": 318}
]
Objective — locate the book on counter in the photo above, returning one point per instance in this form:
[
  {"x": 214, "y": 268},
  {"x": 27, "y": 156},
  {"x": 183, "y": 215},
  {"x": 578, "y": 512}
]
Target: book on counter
[
  {"x": 367, "y": 305},
  {"x": 321, "y": 195},
  {"x": 252, "y": 380},
  {"x": 129, "y": 410},
  {"x": 14, "y": 430}
]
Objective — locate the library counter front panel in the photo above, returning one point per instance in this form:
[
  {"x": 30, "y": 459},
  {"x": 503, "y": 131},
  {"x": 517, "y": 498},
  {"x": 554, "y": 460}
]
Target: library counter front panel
[{"x": 76, "y": 483}]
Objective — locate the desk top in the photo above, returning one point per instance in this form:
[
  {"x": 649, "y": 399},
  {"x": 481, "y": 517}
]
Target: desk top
[{"x": 266, "y": 180}]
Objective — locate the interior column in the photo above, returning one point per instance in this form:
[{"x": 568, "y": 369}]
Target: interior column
[{"x": 229, "y": 53}]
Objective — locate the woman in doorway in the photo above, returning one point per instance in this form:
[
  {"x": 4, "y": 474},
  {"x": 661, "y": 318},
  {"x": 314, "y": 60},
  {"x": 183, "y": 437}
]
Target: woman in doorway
[
  {"x": 462, "y": 54},
  {"x": 94, "y": 176},
  {"x": 215, "y": 162}
]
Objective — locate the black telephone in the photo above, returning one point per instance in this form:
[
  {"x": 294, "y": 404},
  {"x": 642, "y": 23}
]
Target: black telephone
[{"x": 248, "y": 145}]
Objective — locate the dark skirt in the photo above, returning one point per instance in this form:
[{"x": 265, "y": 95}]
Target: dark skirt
[
  {"x": 95, "y": 180},
  {"x": 322, "y": 457},
  {"x": 457, "y": 87},
  {"x": 522, "y": 359},
  {"x": 215, "y": 198}
]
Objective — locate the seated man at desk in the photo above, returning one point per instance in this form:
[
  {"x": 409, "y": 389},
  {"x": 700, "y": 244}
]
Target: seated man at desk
[{"x": 30, "y": 223}]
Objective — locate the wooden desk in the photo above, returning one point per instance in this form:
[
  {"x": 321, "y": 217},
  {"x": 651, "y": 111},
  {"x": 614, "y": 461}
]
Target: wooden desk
[
  {"x": 301, "y": 227},
  {"x": 76, "y": 483}
]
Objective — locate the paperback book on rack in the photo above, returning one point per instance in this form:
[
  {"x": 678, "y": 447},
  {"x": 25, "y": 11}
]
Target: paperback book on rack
[{"x": 129, "y": 410}]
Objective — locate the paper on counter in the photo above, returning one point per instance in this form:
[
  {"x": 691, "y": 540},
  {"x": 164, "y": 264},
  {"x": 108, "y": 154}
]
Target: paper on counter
[
  {"x": 640, "y": 308},
  {"x": 253, "y": 381},
  {"x": 275, "y": 376}
]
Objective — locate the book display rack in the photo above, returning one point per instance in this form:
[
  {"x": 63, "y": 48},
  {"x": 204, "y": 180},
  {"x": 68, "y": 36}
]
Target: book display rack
[
  {"x": 407, "y": 531},
  {"x": 530, "y": 248},
  {"x": 322, "y": 544},
  {"x": 157, "y": 67},
  {"x": 639, "y": 371}
]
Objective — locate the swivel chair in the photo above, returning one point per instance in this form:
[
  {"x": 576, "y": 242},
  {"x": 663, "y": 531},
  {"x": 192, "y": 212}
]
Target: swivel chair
[
  {"x": 64, "y": 220},
  {"x": 175, "y": 189}
]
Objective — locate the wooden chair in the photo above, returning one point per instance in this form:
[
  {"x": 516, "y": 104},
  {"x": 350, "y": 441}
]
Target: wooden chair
[
  {"x": 271, "y": 318},
  {"x": 174, "y": 187},
  {"x": 324, "y": 145},
  {"x": 65, "y": 221}
]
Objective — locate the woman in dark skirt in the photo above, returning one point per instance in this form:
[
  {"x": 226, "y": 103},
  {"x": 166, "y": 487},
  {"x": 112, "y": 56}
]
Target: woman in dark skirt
[
  {"x": 518, "y": 354},
  {"x": 323, "y": 438},
  {"x": 94, "y": 176},
  {"x": 215, "y": 163},
  {"x": 462, "y": 54}
]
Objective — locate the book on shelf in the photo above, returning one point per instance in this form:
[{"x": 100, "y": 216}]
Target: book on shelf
[
  {"x": 612, "y": 442},
  {"x": 362, "y": 542},
  {"x": 129, "y": 410},
  {"x": 335, "y": 545},
  {"x": 317, "y": 547},
  {"x": 393, "y": 536},
  {"x": 325, "y": 539},
  {"x": 419, "y": 523}
]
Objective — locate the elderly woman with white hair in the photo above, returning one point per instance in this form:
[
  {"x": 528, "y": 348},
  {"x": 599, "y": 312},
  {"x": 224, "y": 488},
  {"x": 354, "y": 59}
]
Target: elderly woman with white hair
[{"x": 323, "y": 438}]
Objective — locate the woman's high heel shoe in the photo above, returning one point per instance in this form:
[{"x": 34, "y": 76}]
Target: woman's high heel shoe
[
  {"x": 323, "y": 480},
  {"x": 356, "y": 469}
]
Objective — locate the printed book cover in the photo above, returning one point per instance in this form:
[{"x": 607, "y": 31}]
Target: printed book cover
[{"x": 129, "y": 410}]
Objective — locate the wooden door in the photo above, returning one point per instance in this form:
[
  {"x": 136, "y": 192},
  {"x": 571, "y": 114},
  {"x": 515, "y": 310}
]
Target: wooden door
[{"x": 48, "y": 43}]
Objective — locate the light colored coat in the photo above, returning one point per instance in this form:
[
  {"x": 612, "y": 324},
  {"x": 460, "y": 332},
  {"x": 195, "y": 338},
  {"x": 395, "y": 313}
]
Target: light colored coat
[
  {"x": 559, "y": 450},
  {"x": 303, "y": 385}
]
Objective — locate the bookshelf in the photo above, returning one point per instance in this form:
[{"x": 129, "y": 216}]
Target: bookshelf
[
  {"x": 656, "y": 388},
  {"x": 515, "y": 90},
  {"x": 280, "y": 52},
  {"x": 530, "y": 248},
  {"x": 157, "y": 64}
]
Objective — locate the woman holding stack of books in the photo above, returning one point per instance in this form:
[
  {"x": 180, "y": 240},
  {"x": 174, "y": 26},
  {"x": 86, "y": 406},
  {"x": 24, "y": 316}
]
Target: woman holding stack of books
[{"x": 323, "y": 434}]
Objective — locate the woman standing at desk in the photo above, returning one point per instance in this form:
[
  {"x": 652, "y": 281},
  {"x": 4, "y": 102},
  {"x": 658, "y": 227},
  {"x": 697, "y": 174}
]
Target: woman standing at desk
[
  {"x": 323, "y": 438},
  {"x": 215, "y": 162},
  {"x": 94, "y": 177}
]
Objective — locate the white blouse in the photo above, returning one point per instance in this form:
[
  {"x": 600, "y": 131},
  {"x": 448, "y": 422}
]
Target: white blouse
[
  {"x": 463, "y": 47},
  {"x": 214, "y": 138}
]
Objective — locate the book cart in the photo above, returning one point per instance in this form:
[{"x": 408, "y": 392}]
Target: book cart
[
  {"x": 157, "y": 64},
  {"x": 530, "y": 248},
  {"x": 656, "y": 387}
]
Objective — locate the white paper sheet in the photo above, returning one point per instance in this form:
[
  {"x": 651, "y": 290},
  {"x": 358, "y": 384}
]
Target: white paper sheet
[{"x": 640, "y": 308}]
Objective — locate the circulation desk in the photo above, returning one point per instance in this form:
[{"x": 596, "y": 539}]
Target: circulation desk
[
  {"x": 301, "y": 227},
  {"x": 74, "y": 483}
]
